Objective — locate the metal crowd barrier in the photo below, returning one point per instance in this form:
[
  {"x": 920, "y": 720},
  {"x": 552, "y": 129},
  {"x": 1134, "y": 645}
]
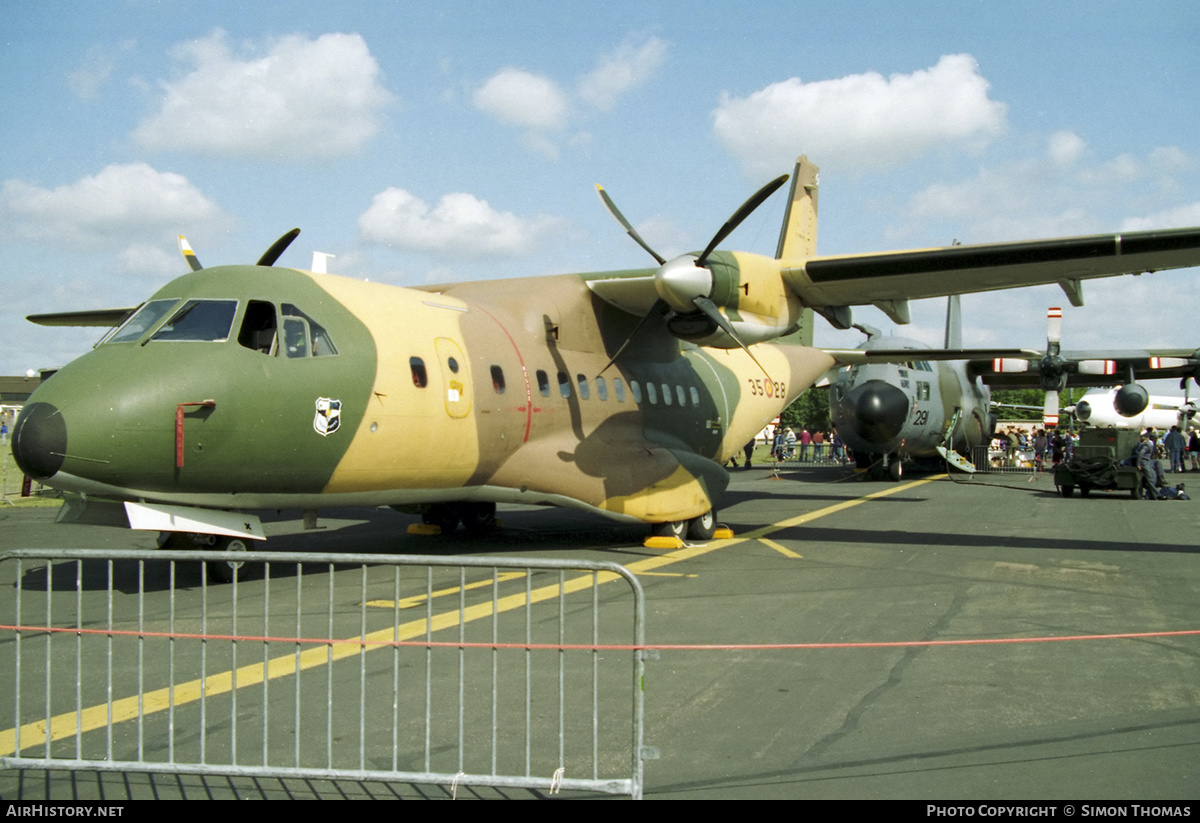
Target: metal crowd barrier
[{"x": 458, "y": 671}]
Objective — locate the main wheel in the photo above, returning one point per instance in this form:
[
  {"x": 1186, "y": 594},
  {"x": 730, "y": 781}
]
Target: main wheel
[
  {"x": 673, "y": 528},
  {"x": 443, "y": 515},
  {"x": 1066, "y": 491},
  {"x": 225, "y": 571},
  {"x": 478, "y": 518},
  {"x": 702, "y": 527}
]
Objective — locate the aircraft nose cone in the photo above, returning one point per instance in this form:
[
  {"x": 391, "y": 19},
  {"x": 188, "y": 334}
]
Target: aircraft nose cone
[
  {"x": 39, "y": 442},
  {"x": 879, "y": 410}
]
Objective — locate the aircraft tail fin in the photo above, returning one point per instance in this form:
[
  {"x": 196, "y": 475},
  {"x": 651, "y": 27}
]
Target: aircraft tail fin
[
  {"x": 954, "y": 322},
  {"x": 798, "y": 237}
]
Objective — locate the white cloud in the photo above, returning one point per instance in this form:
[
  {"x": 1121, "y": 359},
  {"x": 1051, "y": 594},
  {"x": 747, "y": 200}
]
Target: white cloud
[
  {"x": 1063, "y": 191},
  {"x": 626, "y": 68},
  {"x": 120, "y": 204},
  {"x": 861, "y": 121},
  {"x": 518, "y": 98},
  {"x": 1065, "y": 148},
  {"x": 1180, "y": 217},
  {"x": 460, "y": 225},
  {"x": 540, "y": 105},
  {"x": 303, "y": 98},
  {"x": 1060, "y": 193},
  {"x": 93, "y": 72}
]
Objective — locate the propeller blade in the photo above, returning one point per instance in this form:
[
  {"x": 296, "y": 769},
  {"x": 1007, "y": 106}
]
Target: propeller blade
[
  {"x": 741, "y": 214},
  {"x": 188, "y": 254},
  {"x": 710, "y": 310},
  {"x": 1010, "y": 365},
  {"x": 1050, "y": 411},
  {"x": 659, "y": 309},
  {"x": 1097, "y": 367},
  {"x": 277, "y": 248},
  {"x": 1053, "y": 330},
  {"x": 625, "y": 224}
]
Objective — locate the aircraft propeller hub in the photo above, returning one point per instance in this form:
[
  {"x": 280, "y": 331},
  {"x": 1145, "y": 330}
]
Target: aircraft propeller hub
[{"x": 681, "y": 280}]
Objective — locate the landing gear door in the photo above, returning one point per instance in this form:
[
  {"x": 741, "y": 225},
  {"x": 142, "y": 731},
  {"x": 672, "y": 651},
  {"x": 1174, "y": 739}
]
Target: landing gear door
[{"x": 456, "y": 377}]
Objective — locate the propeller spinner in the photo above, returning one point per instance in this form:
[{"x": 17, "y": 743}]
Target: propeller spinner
[{"x": 684, "y": 284}]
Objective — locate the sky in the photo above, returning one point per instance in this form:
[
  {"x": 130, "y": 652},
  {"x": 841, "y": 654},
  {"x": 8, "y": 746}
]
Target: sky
[{"x": 425, "y": 142}]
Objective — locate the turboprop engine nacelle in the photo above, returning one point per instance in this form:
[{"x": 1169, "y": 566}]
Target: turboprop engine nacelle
[
  {"x": 748, "y": 289},
  {"x": 1131, "y": 400}
]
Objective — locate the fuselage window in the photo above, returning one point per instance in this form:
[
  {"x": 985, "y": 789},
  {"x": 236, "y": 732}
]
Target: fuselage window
[
  {"x": 666, "y": 394},
  {"x": 601, "y": 388},
  {"x": 498, "y": 379},
  {"x": 543, "y": 383},
  {"x": 564, "y": 384},
  {"x": 679, "y": 394},
  {"x": 652, "y": 394},
  {"x": 142, "y": 321},
  {"x": 695, "y": 396},
  {"x": 317, "y": 342},
  {"x": 258, "y": 327},
  {"x": 922, "y": 390},
  {"x": 419, "y": 376},
  {"x": 200, "y": 321},
  {"x": 584, "y": 392},
  {"x": 636, "y": 389},
  {"x": 619, "y": 389}
]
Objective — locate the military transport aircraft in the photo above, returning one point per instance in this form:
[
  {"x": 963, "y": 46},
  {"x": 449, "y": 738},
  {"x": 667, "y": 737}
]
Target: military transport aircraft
[
  {"x": 892, "y": 411},
  {"x": 238, "y": 388},
  {"x": 938, "y": 402}
]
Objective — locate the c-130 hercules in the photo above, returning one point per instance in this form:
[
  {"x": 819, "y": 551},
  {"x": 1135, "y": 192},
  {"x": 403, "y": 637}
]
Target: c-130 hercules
[{"x": 238, "y": 388}]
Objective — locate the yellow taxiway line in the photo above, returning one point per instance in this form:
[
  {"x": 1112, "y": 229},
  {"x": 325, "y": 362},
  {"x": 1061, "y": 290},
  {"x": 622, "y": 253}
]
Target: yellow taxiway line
[{"x": 68, "y": 724}]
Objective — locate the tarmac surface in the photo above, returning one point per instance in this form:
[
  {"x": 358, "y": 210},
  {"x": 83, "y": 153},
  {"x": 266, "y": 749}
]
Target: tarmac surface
[{"x": 821, "y": 558}]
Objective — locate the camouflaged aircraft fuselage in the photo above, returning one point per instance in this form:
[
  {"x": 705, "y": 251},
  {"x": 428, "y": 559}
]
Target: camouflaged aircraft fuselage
[{"x": 252, "y": 387}]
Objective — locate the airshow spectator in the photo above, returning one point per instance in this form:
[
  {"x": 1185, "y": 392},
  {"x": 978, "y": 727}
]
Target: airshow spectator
[{"x": 1175, "y": 445}]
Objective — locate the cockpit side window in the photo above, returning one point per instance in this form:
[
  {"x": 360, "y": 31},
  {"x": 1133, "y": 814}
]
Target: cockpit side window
[
  {"x": 258, "y": 327},
  {"x": 303, "y": 336},
  {"x": 200, "y": 321},
  {"x": 142, "y": 321}
]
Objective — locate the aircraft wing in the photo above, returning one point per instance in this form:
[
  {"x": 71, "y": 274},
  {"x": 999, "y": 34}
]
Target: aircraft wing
[
  {"x": 856, "y": 357},
  {"x": 98, "y": 317},
  {"x": 832, "y": 282},
  {"x": 1098, "y": 368},
  {"x": 1021, "y": 367}
]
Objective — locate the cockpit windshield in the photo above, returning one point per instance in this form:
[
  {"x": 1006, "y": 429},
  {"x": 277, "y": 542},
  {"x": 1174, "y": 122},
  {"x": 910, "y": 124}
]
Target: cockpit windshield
[
  {"x": 142, "y": 321},
  {"x": 200, "y": 320}
]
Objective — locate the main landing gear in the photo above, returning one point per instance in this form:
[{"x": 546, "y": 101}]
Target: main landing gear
[
  {"x": 218, "y": 571},
  {"x": 476, "y": 518},
  {"x": 698, "y": 528}
]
